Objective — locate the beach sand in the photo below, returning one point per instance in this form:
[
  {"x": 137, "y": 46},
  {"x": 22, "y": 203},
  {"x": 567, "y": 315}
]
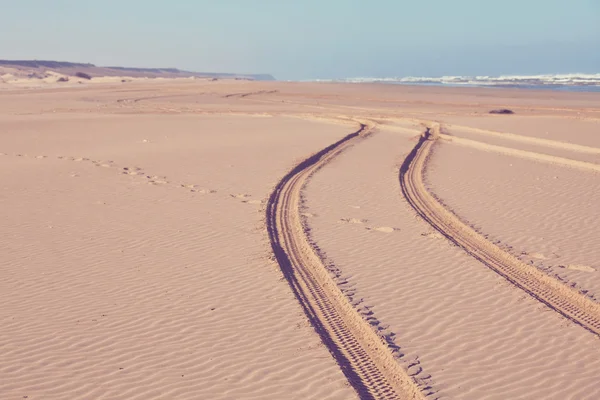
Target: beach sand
[{"x": 268, "y": 240}]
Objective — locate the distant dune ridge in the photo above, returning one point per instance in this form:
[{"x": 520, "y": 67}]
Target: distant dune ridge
[{"x": 14, "y": 70}]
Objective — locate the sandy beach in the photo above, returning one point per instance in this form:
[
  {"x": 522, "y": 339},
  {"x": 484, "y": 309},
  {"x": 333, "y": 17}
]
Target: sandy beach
[{"x": 231, "y": 239}]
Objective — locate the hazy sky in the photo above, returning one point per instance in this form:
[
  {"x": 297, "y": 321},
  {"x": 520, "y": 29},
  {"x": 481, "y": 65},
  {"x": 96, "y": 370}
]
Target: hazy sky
[{"x": 305, "y": 39}]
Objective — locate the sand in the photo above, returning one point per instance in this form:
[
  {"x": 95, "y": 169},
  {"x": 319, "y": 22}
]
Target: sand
[{"x": 239, "y": 240}]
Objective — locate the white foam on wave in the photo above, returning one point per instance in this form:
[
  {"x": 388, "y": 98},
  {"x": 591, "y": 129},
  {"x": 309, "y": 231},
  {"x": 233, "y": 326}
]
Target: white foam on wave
[{"x": 575, "y": 79}]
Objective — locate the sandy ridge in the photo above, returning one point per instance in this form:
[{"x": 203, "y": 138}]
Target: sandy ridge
[
  {"x": 363, "y": 356},
  {"x": 531, "y": 140},
  {"x": 559, "y": 297},
  {"x": 525, "y": 154},
  {"x": 530, "y": 155}
]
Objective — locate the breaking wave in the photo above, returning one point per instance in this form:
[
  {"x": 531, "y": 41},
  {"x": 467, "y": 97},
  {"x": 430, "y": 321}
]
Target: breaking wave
[{"x": 503, "y": 80}]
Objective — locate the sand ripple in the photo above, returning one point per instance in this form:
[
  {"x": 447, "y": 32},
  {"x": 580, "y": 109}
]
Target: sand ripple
[{"x": 476, "y": 335}]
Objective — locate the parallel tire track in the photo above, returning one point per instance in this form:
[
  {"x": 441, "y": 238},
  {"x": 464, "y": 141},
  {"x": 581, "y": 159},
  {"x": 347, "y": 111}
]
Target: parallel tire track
[
  {"x": 559, "y": 297},
  {"x": 528, "y": 155},
  {"x": 363, "y": 356},
  {"x": 529, "y": 140}
]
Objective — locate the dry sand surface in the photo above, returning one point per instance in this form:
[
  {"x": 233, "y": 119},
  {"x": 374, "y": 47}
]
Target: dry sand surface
[{"x": 224, "y": 239}]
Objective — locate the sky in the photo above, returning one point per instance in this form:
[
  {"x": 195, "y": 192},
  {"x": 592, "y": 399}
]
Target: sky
[{"x": 311, "y": 39}]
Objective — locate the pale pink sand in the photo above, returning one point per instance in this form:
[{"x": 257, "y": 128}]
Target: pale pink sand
[
  {"x": 579, "y": 127},
  {"x": 133, "y": 210},
  {"x": 477, "y": 336},
  {"x": 557, "y": 148},
  {"x": 148, "y": 285},
  {"x": 548, "y": 214}
]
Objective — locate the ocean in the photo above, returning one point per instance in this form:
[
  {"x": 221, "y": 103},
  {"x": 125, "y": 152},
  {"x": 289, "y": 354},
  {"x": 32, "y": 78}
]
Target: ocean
[{"x": 559, "y": 82}]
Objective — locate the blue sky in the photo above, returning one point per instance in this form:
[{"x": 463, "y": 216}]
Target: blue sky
[{"x": 306, "y": 39}]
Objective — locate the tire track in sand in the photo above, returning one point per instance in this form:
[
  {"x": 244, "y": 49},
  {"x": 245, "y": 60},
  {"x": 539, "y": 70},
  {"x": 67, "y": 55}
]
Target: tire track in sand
[
  {"x": 528, "y": 155},
  {"x": 365, "y": 359},
  {"x": 559, "y": 297},
  {"x": 528, "y": 139}
]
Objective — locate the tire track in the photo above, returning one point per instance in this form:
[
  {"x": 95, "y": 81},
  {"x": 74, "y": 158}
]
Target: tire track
[
  {"x": 528, "y": 155},
  {"x": 367, "y": 362},
  {"x": 559, "y": 297},
  {"x": 243, "y": 95},
  {"x": 513, "y": 152},
  {"x": 528, "y": 139}
]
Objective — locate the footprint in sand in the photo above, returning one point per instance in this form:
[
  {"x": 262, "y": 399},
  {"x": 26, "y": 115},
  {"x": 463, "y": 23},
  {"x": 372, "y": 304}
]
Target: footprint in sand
[
  {"x": 384, "y": 229},
  {"x": 190, "y": 186},
  {"x": 132, "y": 171},
  {"x": 308, "y": 215},
  {"x": 353, "y": 220},
  {"x": 433, "y": 235},
  {"x": 154, "y": 181},
  {"x": 196, "y": 189},
  {"x": 104, "y": 164},
  {"x": 244, "y": 198},
  {"x": 252, "y": 201},
  {"x": 3, "y": 154},
  {"x": 575, "y": 267},
  {"x": 40, "y": 157},
  {"x": 241, "y": 196},
  {"x": 539, "y": 256}
]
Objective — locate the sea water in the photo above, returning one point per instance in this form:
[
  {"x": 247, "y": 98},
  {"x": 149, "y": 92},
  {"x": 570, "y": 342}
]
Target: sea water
[{"x": 560, "y": 82}]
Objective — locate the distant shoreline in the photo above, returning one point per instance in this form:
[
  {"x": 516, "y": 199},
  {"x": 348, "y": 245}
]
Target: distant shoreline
[{"x": 36, "y": 67}]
